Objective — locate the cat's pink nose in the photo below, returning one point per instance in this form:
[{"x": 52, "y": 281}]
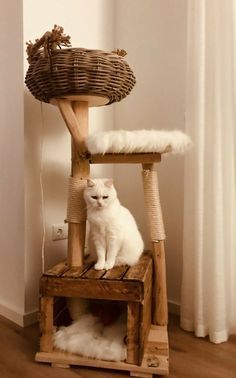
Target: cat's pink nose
[{"x": 99, "y": 204}]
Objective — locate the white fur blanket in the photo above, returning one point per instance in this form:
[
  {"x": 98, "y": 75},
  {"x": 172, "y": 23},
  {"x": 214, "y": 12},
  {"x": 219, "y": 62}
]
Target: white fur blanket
[
  {"x": 88, "y": 337},
  {"x": 123, "y": 141}
]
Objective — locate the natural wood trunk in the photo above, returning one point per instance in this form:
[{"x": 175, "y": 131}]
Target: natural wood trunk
[{"x": 75, "y": 115}]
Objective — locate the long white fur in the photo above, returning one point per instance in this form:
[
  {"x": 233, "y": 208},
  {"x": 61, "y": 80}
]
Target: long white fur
[
  {"x": 123, "y": 141},
  {"x": 89, "y": 338},
  {"x": 113, "y": 232}
]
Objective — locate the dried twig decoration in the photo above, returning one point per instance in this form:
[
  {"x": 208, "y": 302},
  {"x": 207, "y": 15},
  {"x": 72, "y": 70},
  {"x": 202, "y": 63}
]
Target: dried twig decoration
[
  {"x": 120, "y": 52},
  {"x": 49, "y": 41}
]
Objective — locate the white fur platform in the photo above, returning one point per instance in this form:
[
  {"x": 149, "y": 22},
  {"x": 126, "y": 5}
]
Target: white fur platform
[{"x": 138, "y": 141}]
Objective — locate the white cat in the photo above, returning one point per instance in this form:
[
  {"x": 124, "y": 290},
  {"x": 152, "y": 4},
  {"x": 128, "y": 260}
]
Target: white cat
[{"x": 113, "y": 232}]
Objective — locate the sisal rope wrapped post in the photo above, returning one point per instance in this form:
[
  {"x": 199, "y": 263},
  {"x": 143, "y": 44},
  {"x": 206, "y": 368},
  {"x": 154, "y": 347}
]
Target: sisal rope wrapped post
[
  {"x": 76, "y": 217},
  {"x": 157, "y": 233},
  {"x": 76, "y": 206}
]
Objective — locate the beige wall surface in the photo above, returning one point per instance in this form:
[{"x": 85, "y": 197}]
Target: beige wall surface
[
  {"x": 153, "y": 32},
  {"x": 47, "y": 155},
  {"x": 11, "y": 161}
]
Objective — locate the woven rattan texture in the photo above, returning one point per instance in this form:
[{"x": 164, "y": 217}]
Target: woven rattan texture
[{"x": 78, "y": 71}]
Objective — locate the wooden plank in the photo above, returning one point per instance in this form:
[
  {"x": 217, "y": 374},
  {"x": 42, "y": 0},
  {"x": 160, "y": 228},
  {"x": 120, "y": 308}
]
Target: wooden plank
[
  {"x": 157, "y": 345},
  {"x": 60, "y": 366},
  {"x": 76, "y": 271},
  {"x": 116, "y": 273},
  {"x": 84, "y": 288},
  {"x": 72, "y": 359},
  {"x": 133, "y": 316},
  {"x": 138, "y": 271},
  {"x": 140, "y": 375},
  {"x": 119, "y": 158},
  {"x": 146, "y": 312},
  {"x": 93, "y": 273},
  {"x": 158, "y": 335},
  {"x": 160, "y": 312},
  {"x": 46, "y": 324},
  {"x": 57, "y": 270}
]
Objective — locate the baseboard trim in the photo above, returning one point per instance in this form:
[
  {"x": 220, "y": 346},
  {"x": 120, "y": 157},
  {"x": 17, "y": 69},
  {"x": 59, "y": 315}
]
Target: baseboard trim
[
  {"x": 22, "y": 320},
  {"x": 30, "y": 318},
  {"x": 174, "y": 307}
]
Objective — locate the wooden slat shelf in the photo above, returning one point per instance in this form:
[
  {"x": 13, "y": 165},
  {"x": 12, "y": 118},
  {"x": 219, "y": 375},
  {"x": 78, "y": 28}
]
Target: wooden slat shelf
[
  {"x": 136, "y": 272},
  {"x": 121, "y": 283}
]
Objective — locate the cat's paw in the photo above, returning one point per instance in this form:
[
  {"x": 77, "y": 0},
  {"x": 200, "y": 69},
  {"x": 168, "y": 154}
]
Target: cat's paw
[
  {"x": 108, "y": 265},
  {"x": 99, "y": 266}
]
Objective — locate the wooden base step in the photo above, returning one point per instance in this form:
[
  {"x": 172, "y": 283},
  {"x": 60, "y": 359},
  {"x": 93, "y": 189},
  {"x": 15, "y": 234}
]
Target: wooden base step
[{"x": 155, "y": 359}]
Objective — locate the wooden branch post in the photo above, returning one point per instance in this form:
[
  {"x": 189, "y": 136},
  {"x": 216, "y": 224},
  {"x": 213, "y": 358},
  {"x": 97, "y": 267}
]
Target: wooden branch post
[{"x": 75, "y": 115}]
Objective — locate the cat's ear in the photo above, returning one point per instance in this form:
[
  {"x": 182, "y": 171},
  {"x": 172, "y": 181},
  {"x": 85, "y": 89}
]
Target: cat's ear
[
  {"x": 108, "y": 183},
  {"x": 90, "y": 182}
]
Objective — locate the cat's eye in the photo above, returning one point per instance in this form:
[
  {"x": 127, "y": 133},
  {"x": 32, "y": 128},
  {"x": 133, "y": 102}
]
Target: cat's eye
[
  {"x": 94, "y": 197},
  {"x": 104, "y": 197}
]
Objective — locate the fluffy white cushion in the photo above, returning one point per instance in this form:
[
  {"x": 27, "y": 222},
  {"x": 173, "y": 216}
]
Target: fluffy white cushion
[
  {"x": 88, "y": 337},
  {"x": 123, "y": 141}
]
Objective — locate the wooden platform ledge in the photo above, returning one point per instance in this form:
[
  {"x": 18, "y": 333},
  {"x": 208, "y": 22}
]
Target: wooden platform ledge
[
  {"x": 134, "y": 158},
  {"x": 155, "y": 360}
]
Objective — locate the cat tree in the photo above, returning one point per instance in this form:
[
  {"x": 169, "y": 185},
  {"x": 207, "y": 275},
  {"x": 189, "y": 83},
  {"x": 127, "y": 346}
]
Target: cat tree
[{"x": 74, "y": 80}]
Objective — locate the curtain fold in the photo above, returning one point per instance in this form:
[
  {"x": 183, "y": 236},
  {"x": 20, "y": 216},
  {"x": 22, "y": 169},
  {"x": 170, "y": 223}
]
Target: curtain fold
[{"x": 208, "y": 304}]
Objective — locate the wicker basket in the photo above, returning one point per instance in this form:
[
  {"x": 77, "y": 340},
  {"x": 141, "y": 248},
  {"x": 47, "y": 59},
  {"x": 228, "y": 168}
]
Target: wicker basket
[{"x": 55, "y": 73}]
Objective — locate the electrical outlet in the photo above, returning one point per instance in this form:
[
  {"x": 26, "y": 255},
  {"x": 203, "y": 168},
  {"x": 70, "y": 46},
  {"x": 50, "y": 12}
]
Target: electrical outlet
[{"x": 59, "y": 231}]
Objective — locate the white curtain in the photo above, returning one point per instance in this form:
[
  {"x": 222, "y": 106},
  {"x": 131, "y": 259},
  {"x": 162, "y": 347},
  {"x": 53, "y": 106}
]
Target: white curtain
[{"x": 209, "y": 258}]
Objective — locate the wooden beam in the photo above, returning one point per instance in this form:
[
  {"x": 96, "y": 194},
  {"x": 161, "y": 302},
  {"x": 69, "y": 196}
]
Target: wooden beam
[
  {"x": 92, "y": 288},
  {"x": 46, "y": 324},
  {"x": 65, "y": 107},
  {"x": 133, "y": 333},
  {"x": 160, "y": 313},
  {"x": 144, "y": 158}
]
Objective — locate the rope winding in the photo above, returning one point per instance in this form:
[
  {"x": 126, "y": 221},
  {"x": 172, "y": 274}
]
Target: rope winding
[
  {"x": 76, "y": 208},
  {"x": 153, "y": 205}
]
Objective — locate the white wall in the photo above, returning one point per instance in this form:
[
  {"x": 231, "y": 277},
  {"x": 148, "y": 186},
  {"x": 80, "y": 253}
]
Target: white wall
[
  {"x": 11, "y": 161},
  {"x": 47, "y": 145},
  {"x": 153, "y": 33},
  {"x": 90, "y": 24}
]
